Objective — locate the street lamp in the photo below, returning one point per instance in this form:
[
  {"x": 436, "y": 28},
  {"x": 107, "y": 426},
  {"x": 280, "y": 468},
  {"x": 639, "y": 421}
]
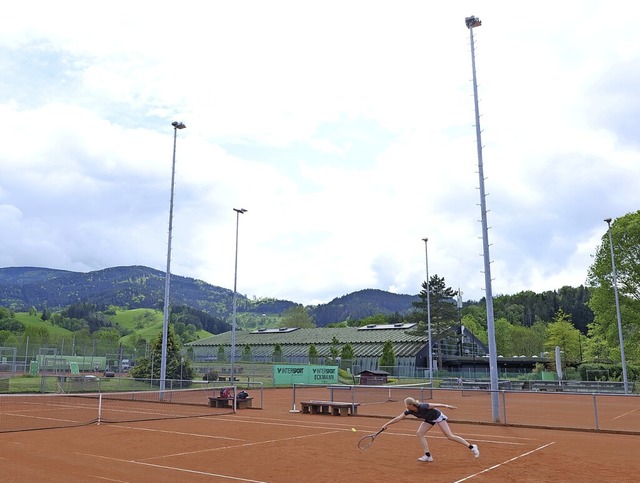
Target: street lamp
[
  {"x": 426, "y": 254},
  {"x": 238, "y": 211},
  {"x": 471, "y": 23},
  {"x": 615, "y": 291},
  {"x": 165, "y": 326}
]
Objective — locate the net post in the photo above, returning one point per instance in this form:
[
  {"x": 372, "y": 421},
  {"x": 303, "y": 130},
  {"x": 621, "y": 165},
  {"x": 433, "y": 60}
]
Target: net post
[
  {"x": 293, "y": 408},
  {"x": 99, "y": 407}
]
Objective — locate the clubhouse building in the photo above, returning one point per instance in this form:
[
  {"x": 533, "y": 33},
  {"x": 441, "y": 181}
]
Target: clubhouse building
[{"x": 455, "y": 349}]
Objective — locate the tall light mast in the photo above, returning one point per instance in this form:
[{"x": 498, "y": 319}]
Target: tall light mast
[{"x": 473, "y": 22}]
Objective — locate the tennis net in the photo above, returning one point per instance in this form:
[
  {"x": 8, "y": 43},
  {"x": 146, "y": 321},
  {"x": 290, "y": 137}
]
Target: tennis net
[{"x": 26, "y": 412}]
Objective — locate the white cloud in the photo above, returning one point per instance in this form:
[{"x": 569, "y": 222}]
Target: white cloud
[{"x": 346, "y": 130}]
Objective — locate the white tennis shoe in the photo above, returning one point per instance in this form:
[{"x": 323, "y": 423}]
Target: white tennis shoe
[
  {"x": 425, "y": 458},
  {"x": 475, "y": 450}
]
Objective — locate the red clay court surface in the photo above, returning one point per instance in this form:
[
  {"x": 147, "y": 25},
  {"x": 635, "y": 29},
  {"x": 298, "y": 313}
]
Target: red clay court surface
[{"x": 275, "y": 445}]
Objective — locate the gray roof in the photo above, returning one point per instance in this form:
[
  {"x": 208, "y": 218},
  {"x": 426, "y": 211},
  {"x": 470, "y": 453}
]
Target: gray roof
[{"x": 365, "y": 343}]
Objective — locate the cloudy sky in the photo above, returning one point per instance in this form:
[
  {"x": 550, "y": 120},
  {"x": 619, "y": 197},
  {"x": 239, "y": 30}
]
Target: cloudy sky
[{"x": 345, "y": 128}]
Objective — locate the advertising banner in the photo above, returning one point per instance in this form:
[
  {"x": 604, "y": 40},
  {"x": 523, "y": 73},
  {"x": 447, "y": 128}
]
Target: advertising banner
[{"x": 285, "y": 374}]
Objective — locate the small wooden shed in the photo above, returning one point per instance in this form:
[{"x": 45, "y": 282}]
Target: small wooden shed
[{"x": 373, "y": 377}]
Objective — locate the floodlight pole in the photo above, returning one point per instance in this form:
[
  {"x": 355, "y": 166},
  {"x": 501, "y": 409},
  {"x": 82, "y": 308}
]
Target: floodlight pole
[
  {"x": 615, "y": 291},
  {"x": 165, "y": 325},
  {"x": 459, "y": 303},
  {"x": 426, "y": 255},
  {"x": 473, "y": 22},
  {"x": 238, "y": 211}
]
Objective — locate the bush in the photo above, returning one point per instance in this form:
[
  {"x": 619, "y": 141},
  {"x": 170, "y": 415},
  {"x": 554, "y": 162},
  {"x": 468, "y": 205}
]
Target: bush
[
  {"x": 210, "y": 376},
  {"x": 600, "y": 371}
]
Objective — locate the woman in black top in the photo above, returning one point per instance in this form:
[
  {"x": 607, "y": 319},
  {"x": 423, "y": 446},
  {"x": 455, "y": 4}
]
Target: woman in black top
[{"x": 431, "y": 417}]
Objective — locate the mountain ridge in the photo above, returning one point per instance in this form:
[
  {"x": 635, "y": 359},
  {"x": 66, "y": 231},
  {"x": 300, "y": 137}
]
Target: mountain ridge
[{"x": 138, "y": 286}]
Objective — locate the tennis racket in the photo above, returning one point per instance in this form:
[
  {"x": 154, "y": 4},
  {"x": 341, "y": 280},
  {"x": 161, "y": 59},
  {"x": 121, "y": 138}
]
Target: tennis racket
[{"x": 366, "y": 442}]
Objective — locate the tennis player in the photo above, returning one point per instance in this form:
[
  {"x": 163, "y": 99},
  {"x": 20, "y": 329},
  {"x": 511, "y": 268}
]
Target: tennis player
[{"x": 431, "y": 417}]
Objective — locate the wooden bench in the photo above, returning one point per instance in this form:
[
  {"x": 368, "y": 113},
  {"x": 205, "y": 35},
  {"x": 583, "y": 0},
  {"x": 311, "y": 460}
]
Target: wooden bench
[
  {"x": 334, "y": 408},
  {"x": 227, "y": 402}
]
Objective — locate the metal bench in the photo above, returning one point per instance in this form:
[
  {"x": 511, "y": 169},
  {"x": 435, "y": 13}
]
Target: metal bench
[
  {"x": 334, "y": 408},
  {"x": 581, "y": 386},
  {"x": 546, "y": 386},
  {"x": 484, "y": 385},
  {"x": 597, "y": 386}
]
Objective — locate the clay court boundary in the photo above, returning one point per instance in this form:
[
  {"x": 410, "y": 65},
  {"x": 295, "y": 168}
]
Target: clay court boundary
[{"x": 273, "y": 445}]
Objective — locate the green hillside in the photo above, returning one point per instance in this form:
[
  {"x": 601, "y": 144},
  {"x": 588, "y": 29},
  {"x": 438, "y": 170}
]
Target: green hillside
[
  {"x": 35, "y": 321},
  {"x": 139, "y": 320},
  {"x": 143, "y": 323}
]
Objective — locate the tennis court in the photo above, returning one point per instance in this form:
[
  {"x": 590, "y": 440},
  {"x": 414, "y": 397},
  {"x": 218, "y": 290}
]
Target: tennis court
[{"x": 275, "y": 445}]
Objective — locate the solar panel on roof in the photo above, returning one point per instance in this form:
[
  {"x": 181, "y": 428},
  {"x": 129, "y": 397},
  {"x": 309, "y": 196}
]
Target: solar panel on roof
[
  {"x": 386, "y": 326},
  {"x": 274, "y": 331}
]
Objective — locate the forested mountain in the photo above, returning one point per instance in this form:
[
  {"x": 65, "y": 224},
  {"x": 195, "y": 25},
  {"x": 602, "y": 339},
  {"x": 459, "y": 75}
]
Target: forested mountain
[
  {"x": 358, "y": 305},
  {"x": 141, "y": 287},
  {"x": 27, "y": 275},
  {"x": 127, "y": 287}
]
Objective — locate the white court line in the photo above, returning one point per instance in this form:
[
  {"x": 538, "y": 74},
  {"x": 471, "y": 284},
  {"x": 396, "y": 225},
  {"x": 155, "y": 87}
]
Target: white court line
[
  {"x": 107, "y": 479},
  {"x": 288, "y": 422},
  {"x": 435, "y": 435},
  {"x": 267, "y": 422},
  {"x": 253, "y": 443},
  {"x": 355, "y": 421},
  {"x": 441, "y": 436},
  {"x": 182, "y": 433},
  {"x": 625, "y": 414},
  {"x": 330, "y": 430},
  {"x": 504, "y": 463},
  {"x": 181, "y": 470},
  {"x": 473, "y": 435}
]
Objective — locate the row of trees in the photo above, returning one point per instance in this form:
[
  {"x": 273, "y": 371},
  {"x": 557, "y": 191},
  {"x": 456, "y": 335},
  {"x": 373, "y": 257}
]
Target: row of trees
[
  {"x": 581, "y": 321},
  {"x": 584, "y": 322},
  {"x": 625, "y": 233}
]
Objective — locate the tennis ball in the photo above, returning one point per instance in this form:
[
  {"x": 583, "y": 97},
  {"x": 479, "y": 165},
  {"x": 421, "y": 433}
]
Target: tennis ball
[{"x": 353, "y": 429}]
